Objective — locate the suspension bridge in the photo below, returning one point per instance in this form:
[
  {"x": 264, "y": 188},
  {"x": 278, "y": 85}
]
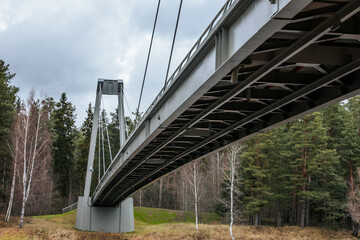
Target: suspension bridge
[{"x": 259, "y": 64}]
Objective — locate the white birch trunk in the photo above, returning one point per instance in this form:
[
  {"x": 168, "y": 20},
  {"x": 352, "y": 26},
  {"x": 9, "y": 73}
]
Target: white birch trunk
[
  {"x": 196, "y": 196},
  {"x": 27, "y": 177},
  {"x": 8, "y": 212},
  {"x": 160, "y": 193},
  {"x": 24, "y": 180},
  {"x": 232, "y": 178},
  {"x": 140, "y": 198}
]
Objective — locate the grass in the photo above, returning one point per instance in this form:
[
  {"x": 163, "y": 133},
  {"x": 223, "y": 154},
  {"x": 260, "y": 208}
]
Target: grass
[{"x": 151, "y": 224}]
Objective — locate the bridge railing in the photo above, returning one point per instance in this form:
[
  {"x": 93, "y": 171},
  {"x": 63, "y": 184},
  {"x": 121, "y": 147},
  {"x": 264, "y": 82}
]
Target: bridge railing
[
  {"x": 196, "y": 47},
  {"x": 187, "y": 58},
  {"x": 69, "y": 208}
]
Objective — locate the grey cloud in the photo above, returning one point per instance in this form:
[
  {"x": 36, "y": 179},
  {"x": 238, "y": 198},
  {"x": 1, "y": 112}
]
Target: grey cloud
[{"x": 62, "y": 47}]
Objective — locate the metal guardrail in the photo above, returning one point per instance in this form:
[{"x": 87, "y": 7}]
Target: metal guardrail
[
  {"x": 187, "y": 59},
  {"x": 69, "y": 208}
]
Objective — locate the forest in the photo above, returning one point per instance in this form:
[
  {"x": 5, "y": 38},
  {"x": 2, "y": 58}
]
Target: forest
[{"x": 303, "y": 173}]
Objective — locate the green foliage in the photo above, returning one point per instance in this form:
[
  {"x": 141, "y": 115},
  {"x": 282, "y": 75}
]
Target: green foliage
[
  {"x": 7, "y": 112},
  {"x": 64, "y": 146}
]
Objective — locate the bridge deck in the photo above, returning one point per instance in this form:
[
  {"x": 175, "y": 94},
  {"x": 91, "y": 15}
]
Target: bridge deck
[{"x": 260, "y": 66}]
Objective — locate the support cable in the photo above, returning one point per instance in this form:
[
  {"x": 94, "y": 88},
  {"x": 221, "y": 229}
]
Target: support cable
[
  {"x": 148, "y": 57},
  {"x": 102, "y": 140},
  {"x": 127, "y": 105},
  {"x": 99, "y": 147},
  {"x": 173, "y": 42}
]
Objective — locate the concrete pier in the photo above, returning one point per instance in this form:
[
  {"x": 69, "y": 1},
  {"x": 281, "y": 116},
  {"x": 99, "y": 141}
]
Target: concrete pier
[{"x": 105, "y": 219}]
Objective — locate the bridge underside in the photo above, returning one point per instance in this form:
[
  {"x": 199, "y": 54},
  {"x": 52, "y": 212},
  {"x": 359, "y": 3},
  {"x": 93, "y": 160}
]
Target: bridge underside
[{"x": 310, "y": 63}]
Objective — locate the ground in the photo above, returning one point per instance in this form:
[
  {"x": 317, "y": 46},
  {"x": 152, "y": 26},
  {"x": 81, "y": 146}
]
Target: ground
[{"x": 151, "y": 224}]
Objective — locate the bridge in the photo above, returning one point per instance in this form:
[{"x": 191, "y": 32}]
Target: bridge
[{"x": 259, "y": 64}]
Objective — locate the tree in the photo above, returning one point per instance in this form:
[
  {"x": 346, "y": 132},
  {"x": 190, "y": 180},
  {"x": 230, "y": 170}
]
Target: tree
[
  {"x": 256, "y": 176},
  {"x": 82, "y": 150},
  {"x": 32, "y": 146},
  {"x": 63, "y": 147},
  {"x": 233, "y": 185},
  {"x": 195, "y": 178},
  {"x": 7, "y": 112},
  {"x": 353, "y": 204},
  {"x": 14, "y": 149}
]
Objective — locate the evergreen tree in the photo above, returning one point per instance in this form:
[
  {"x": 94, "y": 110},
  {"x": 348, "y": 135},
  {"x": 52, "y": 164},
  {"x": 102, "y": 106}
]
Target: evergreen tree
[
  {"x": 63, "y": 146},
  {"x": 350, "y": 144},
  {"x": 256, "y": 176},
  {"x": 82, "y": 151},
  {"x": 7, "y": 112},
  {"x": 279, "y": 171}
]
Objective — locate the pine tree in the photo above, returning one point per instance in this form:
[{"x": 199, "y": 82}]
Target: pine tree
[
  {"x": 7, "y": 112},
  {"x": 82, "y": 151},
  {"x": 63, "y": 146},
  {"x": 256, "y": 176}
]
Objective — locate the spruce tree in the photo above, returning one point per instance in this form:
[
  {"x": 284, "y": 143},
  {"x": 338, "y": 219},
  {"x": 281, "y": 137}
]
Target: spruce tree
[
  {"x": 63, "y": 146},
  {"x": 7, "y": 112},
  {"x": 255, "y": 169},
  {"x": 82, "y": 151}
]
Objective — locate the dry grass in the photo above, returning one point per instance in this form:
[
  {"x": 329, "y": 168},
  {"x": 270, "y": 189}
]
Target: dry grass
[{"x": 62, "y": 227}]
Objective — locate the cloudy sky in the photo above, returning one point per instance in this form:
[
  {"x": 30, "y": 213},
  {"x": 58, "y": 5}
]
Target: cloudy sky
[{"x": 57, "y": 46}]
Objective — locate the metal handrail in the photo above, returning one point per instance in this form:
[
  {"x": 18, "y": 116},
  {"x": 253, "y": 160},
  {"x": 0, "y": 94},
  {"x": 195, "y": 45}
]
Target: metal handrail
[
  {"x": 187, "y": 59},
  {"x": 69, "y": 208},
  {"x": 175, "y": 74}
]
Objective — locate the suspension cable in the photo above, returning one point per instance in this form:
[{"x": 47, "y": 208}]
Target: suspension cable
[
  {"x": 173, "y": 42},
  {"x": 102, "y": 140},
  {"x": 148, "y": 57},
  {"x": 127, "y": 105},
  {"x": 99, "y": 147}
]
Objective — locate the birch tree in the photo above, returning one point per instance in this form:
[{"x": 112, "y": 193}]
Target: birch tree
[
  {"x": 14, "y": 149},
  {"x": 34, "y": 146},
  {"x": 232, "y": 186},
  {"x": 195, "y": 179}
]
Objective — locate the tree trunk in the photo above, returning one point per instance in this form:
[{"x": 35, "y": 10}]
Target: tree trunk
[
  {"x": 355, "y": 228},
  {"x": 307, "y": 212},
  {"x": 232, "y": 179},
  {"x": 351, "y": 180},
  {"x": 293, "y": 212},
  {"x": 8, "y": 212},
  {"x": 302, "y": 213},
  {"x": 196, "y": 197},
  {"x": 140, "y": 197},
  {"x": 186, "y": 202},
  {"x": 22, "y": 212},
  {"x": 257, "y": 219},
  {"x": 278, "y": 215},
  {"x": 160, "y": 192}
]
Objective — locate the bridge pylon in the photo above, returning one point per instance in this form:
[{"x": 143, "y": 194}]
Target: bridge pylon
[{"x": 104, "y": 219}]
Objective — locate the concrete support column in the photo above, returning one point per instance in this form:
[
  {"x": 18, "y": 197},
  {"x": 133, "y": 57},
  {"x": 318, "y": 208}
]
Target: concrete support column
[{"x": 105, "y": 219}]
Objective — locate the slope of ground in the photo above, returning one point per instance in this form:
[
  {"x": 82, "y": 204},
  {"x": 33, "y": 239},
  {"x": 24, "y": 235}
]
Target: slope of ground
[{"x": 151, "y": 224}]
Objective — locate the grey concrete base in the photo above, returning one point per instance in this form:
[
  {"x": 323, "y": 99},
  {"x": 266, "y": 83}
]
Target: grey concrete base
[{"x": 105, "y": 219}]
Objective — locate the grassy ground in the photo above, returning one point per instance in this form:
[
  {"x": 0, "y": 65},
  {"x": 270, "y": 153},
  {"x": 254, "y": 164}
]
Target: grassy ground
[{"x": 156, "y": 224}]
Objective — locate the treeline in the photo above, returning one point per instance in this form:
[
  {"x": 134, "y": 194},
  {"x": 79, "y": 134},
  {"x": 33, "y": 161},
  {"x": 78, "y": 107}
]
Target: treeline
[
  {"x": 302, "y": 173},
  {"x": 43, "y": 155}
]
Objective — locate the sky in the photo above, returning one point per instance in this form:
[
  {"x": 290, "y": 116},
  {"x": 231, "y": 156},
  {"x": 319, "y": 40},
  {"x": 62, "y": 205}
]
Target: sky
[{"x": 57, "y": 46}]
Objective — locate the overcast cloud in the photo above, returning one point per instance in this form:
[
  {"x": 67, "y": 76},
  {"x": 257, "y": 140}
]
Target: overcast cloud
[{"x": 57, "y": 46}]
